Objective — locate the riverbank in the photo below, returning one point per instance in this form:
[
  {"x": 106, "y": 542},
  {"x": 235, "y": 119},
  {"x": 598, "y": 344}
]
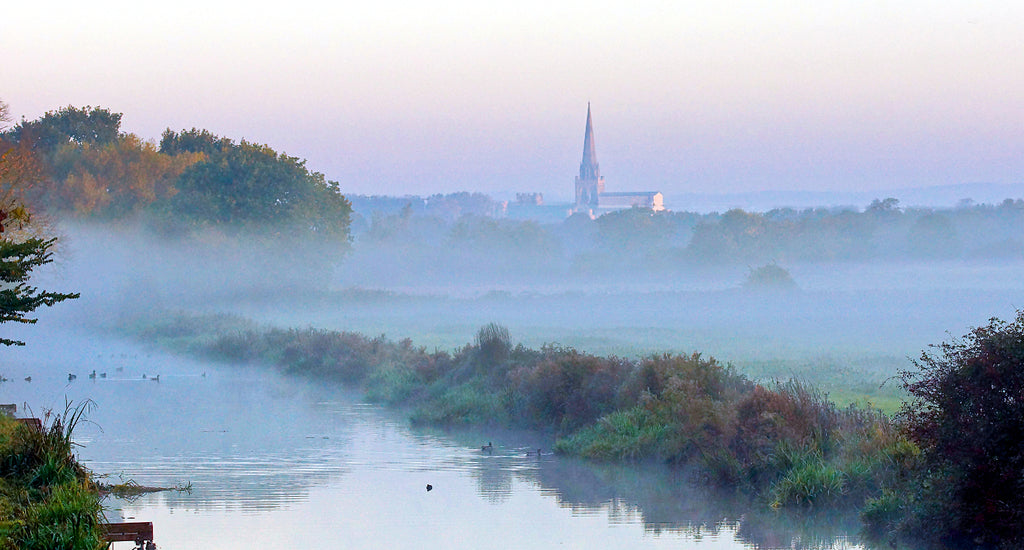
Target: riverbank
[
  {"x": 47, "y": 498},
  {"x": 786, "y": 443}
]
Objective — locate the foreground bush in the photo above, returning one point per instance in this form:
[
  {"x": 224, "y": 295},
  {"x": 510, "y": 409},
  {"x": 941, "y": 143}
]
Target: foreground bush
[{"x": 967, "y": 417}]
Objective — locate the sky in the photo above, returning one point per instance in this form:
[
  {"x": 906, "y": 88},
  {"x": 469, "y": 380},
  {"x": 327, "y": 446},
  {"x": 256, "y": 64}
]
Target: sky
[{"x": 402, "y": 98}]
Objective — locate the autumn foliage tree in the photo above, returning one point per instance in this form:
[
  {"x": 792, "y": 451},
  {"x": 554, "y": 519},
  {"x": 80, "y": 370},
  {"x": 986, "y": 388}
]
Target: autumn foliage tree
[
  {"x": 21, "y": 250},
  {"x": 118, "y": 178},
  {"x": 87, "y": 167}
]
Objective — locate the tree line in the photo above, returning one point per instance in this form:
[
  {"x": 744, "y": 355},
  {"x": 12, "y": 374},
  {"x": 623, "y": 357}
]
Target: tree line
[
  {"x": 637, "y": 241},
  {"x": 78, "y": 163}
]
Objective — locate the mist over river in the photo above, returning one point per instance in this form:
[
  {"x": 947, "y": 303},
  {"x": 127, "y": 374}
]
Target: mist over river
[
  {"x": 279, "y": 463},
  {"x": 276, "y": 462}
]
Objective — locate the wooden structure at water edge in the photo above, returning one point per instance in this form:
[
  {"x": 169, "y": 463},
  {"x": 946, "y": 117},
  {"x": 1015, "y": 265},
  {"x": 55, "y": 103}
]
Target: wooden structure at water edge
[
  {"x": 10, "y": 409},
  {"x": 139, "y": 532}
]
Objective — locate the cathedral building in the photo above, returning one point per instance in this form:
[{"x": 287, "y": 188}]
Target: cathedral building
[
  {"x": 590, "y": 182},
  {"x": 590, "y": 194}
]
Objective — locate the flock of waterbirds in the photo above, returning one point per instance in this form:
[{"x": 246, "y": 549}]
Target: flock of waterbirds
[
  {"x": 102, "y": 375},
  {"x": 93, "y": 375}
]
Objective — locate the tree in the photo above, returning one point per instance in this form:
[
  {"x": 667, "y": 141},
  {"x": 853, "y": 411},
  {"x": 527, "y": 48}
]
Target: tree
[
  {"x": 967, "y": 416},
  {"x": 889, "y": 206},
  {"x": 738, "y": 236},
  {"x": 70, "y": 124},
  {"x": 769, "y": 277},
  {"x": 17, "y": 297},
  {"x": 252, "y": 187},
  {"x": 192, "y": 141},
  {"x": 19, "y": 253},
  {"x": 289, "y": 226},
  {"x": 933, "y": 235},
  {"x": 636, "y": 228},
  {"x": 114, "y": 179}
]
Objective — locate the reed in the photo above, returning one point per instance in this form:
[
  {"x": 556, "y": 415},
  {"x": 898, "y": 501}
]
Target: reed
[{"x": 47, "y": 499}]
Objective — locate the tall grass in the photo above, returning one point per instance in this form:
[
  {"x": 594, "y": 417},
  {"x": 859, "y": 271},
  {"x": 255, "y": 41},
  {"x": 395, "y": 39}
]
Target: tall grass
[{"x": 47, "y": 499}]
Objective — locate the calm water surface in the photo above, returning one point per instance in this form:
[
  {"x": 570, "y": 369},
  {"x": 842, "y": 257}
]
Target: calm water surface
[{"x": 278, "y": 463}]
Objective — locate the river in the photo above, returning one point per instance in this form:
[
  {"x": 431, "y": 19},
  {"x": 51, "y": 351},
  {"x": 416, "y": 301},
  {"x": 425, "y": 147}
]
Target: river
[{"x": 280, "y": 463}]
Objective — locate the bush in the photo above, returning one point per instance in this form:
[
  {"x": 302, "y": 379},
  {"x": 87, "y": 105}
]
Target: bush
[
  {"x": 785, "y": 441},
  {"x": 809, "y": 484},
  {"x": 494, "y": 343},
  {"x": 462, "y": 405},
  {"x": 967, "y": 416},
  {"x": 769, "y": 277}
]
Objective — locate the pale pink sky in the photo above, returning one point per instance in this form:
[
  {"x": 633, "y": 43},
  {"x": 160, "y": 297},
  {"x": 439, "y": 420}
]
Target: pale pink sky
[{"x": 706, "y": 96}]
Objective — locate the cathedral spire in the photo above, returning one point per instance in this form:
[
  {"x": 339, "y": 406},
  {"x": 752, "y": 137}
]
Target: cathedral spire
[
  {"x": 590, "y": 183},
  {"x": 589, "y": 169}
]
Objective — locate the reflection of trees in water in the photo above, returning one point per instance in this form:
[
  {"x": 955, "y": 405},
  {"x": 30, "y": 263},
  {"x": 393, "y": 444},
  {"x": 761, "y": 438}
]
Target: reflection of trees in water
[
  {"x": 494, "y": 480},
  {"x": 661, "y": 498},
  {"x": 666, "y": 501},
  {"x": 494, "y": 472}
]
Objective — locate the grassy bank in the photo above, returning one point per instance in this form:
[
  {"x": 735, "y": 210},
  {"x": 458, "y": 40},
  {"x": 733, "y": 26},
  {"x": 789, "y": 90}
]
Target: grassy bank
[
  {"x": 47, "y": 499},
  {"x": 785, "y": 442}
]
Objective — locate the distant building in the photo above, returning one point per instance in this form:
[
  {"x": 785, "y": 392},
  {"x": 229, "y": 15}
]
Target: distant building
[
  {"x": 530, "y": 206},
  {"x": 534, "y": 199},
  {"x": 590, "y": 182},
  {"x": 590, "y": 193},
  {"x": 631, "y": 199}
]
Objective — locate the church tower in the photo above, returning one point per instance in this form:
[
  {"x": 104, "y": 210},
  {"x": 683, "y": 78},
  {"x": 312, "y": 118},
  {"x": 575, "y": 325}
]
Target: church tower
[{"x": 590, "y": 182}]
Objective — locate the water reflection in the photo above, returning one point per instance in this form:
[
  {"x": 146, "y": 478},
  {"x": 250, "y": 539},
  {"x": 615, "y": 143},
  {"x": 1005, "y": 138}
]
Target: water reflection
[{"x": 663, "y": 500}]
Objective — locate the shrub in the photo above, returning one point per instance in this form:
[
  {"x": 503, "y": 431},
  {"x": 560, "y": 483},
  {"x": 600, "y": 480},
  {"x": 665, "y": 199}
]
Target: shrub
[
  {"x": 881, "y": 515},
  {"x": 567, "y": 390},
  {"x": 391, "y": 384},
  {"x": 967, "y": 416},
  {"x": 493, "y": 343},
  {"x": 462, "y": 405},
  {"x": 769, "y": 277},
  {"x": 791, "y": 415}
]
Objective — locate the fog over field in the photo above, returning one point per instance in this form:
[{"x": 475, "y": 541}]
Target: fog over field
[{"x": 845, "y": 323}]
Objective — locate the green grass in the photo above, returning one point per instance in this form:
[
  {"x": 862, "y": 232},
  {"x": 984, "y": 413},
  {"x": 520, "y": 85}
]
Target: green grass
[
  {"x": 626, "y": 435},
  {"x": 809, "y": 484}
]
